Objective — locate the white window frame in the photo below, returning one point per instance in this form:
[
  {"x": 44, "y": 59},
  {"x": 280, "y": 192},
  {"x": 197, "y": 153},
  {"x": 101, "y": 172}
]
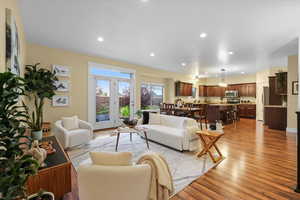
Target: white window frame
[
  {"x": 155, "y": 84},
  {"x": 91, "y": 94}
]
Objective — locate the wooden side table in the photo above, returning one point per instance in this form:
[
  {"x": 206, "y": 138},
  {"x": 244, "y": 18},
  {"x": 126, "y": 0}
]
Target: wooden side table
[{"x": 209, "y": 140}]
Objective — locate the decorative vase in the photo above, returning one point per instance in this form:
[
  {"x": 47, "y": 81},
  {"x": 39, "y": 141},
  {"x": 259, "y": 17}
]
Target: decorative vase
[
  {"x": 37, "y": 135},
  {"x": 44, "y": 196}
]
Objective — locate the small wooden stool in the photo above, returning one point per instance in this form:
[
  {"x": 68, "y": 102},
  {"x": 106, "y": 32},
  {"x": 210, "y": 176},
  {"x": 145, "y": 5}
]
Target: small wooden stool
[{"x": 209, "y": 140}]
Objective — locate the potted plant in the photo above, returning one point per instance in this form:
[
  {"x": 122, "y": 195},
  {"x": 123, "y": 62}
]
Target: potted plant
[
  {"x": 15, "y": 165},
  {"x": 42, "y": 195},
  {"x": 39, "y": 86}
]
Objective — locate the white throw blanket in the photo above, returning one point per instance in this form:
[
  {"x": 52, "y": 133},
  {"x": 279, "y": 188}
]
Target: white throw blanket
[{"x": 161, "y": 187}]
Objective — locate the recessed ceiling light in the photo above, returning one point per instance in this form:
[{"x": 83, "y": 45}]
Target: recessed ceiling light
[
  {"x": 100, "y": 39},
  {"x": 183, "y": 64},
  {"x": 144, "y": 1},
  {"x": 203, "y": 35},
  {"x": 152, "y": 54},
  {"x": 230, "y": 52}
]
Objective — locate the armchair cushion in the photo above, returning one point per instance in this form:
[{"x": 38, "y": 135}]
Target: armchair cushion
[
  {"x": 111, "y": 159},
  {"x": 70, "y": 123}
]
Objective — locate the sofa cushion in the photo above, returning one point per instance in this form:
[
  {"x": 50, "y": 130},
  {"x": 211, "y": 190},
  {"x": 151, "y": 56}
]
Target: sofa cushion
[
  {"x": 70, "y": 123},
  {"x": 154, "y": 118},
  {"x": 173, "y": 121},
  {"x": 111, "y": 159},
  {"x": 167, "y": 130}
]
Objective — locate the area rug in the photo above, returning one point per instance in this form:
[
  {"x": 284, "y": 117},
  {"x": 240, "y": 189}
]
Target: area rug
[{"x": 185, "y": 167}]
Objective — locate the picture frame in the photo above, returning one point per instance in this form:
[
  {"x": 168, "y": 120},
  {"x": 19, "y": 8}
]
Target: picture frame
[
  {"x": 60, "y": 101},
  {"x": 295, "y": 88},
  {"x": 62, "y": 71},
  {"x": 62, "y": 85},
  {"x": 12, "y": 44}
]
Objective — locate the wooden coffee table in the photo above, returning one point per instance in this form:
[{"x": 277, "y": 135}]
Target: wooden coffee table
[{"x": 131, "y": 130}]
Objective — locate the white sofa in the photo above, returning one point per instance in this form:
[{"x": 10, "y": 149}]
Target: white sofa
[
  {"x": 173, "y": 131},
  {"x": 71, "y": 138}
]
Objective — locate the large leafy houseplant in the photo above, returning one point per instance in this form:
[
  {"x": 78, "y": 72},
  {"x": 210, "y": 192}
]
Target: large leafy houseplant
[
  {"x": 39, "y": 86},
  {"x": 15, "y": 165}
]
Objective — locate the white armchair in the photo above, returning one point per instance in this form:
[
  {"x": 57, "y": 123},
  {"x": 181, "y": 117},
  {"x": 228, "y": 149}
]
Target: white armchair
[
  {"x": 114, "y": 182},
  {"x": 70, "y": 138}
]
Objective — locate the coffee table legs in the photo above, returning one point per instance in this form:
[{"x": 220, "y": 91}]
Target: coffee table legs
[
  {"x": 118, "y": 137},
  {"x": 146, "y": 138}
]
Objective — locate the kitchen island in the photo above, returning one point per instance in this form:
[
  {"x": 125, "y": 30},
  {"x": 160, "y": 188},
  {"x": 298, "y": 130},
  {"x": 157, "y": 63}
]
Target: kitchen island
[{"x": 221, "y": 112}]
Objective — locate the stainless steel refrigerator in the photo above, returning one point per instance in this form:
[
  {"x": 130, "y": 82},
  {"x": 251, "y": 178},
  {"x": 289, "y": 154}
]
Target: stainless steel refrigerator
[{"x": 266, "y": 98}]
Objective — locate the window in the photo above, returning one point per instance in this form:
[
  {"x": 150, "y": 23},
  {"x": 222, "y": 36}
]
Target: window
[{"x": 151, "y": 96}]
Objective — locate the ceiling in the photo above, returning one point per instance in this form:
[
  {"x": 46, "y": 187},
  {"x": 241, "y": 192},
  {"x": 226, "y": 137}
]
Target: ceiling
[{"x": 255, "y": 30}]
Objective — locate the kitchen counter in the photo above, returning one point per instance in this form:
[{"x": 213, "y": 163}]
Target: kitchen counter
[{"x": 275, "y": 106}]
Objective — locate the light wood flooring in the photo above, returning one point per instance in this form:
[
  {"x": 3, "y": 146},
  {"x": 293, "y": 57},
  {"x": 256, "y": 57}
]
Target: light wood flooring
[{"x": 260, "y": 164}]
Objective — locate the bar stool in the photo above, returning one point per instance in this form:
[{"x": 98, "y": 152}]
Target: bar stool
[{"x": 201, "y": 115}]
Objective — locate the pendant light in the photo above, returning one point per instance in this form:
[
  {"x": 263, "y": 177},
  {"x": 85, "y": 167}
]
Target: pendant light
[{"x": 223, "y": 83}]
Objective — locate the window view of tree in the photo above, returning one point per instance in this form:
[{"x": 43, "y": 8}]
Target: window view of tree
[
  {"x": 151, "y": 96},
  {"x": 124, "y": 99},
  {"x": 102, "y": 100}
]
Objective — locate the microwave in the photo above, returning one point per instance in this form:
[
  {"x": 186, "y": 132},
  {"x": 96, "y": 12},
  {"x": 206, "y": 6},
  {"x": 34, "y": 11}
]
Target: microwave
[{"x": 231, "y": 94}]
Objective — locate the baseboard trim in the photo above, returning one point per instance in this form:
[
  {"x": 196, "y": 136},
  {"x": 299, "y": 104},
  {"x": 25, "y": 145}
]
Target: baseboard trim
[{"x": 291, "y": 130}]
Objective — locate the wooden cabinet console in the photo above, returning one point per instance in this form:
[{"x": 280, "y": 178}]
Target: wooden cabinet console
[{"x": 56, "y": 176}]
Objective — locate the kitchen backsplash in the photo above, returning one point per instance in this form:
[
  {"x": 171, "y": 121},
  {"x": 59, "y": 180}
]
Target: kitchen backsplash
[{"x": 214, "y": 99}]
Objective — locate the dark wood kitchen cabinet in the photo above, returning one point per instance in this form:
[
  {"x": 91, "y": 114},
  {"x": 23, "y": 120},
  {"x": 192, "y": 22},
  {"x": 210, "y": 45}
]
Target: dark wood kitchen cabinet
[
  {"x": 281, "y": 83},
  {"x": 202, "y": 91},
  {"x": 274, "y": 98},
  {"x": 276, "y": 117},
  {"x": 215, "y": 91},
  {"x": 251, "y": 89},
  {"x": 183, "y": 89},
  {"x": 247, "y": 110}
]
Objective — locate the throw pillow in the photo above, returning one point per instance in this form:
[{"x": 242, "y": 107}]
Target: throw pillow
[
  {"x": 154, "y": 118},
  {"x": 70, "y": 123},
  {"x": 145, "y": 117},
  {"x": 111, "y": 159}
]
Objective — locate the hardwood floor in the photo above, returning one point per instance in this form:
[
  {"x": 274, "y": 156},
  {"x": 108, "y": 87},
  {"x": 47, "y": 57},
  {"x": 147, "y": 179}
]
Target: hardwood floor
[{"x": 260, "y": 164}]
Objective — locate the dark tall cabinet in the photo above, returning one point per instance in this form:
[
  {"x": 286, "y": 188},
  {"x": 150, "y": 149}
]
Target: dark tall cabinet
[{"x": 274, "y": 98}]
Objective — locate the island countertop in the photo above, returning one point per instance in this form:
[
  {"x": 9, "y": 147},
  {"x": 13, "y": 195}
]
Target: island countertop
[{"x": 275, "y": 106}]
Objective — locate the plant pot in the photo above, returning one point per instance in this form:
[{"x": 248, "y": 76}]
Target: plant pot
[
  {"x": 37, "y": 135},
  {"x": 44, "y": 196}
]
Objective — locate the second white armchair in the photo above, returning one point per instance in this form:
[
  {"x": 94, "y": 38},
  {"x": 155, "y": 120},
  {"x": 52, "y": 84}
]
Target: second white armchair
[{"x": 82, "y": 134}]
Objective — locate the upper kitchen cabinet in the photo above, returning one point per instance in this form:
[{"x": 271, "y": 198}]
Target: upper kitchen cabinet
[
  {"x": 183, "y": 89},
  {"x": 244, "y": 90},
  {"x": 281, "y": 83},
  {"x": 215, "y": 91},
  {"x": 202, "y": 91},
  {"x": 274, "y": 98},
  {"x": 251, "y": 89}
]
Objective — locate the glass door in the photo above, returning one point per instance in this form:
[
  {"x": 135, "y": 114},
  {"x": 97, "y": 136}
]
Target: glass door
[
  {"x": 124, "y": 99},
  {"x": 104, "y": 100},
  {"x": 113, "y": 101}
]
